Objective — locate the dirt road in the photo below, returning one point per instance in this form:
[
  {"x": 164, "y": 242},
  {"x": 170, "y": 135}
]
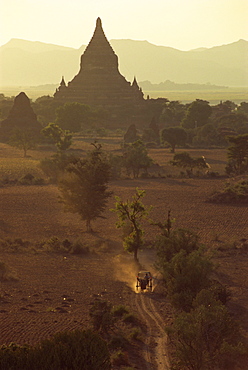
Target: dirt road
[{"x": 155, "y": 351}]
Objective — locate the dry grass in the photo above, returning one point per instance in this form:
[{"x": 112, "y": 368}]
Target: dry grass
[{"x": 14, "y": 168}]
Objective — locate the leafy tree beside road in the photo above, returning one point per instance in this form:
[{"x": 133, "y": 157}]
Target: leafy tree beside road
[
  {"x": 132, "y": 213},
  {"x": 203, "y": 333}
]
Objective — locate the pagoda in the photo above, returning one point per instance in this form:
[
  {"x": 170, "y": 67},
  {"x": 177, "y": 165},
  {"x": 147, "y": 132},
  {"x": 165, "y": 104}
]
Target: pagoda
[
  {"x": 22, "y": 117},
  {"x": 99, "y": 82}
]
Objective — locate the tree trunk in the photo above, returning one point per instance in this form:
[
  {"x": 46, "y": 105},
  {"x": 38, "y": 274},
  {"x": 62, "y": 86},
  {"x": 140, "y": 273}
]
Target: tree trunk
[
  {"x": 135, "y": 255},
  {"x": 88, "y": 226},
  {"x": 137, "y": 244}
]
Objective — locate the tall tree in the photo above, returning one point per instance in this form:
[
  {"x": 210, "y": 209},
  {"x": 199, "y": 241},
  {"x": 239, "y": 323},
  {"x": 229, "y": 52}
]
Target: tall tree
[
  {"x": 207, "y": 337},
  {"x": 238, "y": 122},
  {"x": 197, "y": 114},
  {"x": 174, "y": 136},
  {"x": 207, "y": 135},
  {"x": 72, "y": 116},
  {"x": 84, "y": 186},
  {"x": 61, "y": 138},
  {"x": 173, "y": 113},
  {"x": 243, "y": 107},
  {"x": 238, "y": 154},
  {"x": 23, "y": 140},
  {"x": 184, "y": 266},
  {"x": 135, "y": 158},
  {"x": 45, "y": 107},
  {"x": 184, "y": 160},
  {"x": 132, "y": 213}
]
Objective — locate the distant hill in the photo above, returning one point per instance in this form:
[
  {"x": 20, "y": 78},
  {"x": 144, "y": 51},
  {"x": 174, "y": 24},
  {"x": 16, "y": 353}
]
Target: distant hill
[
  {"x": 172, "y": 86},
  {"x": 28, "y": 63}
]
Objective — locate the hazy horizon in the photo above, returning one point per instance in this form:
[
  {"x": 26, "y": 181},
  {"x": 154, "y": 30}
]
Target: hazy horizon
[
  {"x": 76, "y": 48},
  {"x": 180, "y": 24}
]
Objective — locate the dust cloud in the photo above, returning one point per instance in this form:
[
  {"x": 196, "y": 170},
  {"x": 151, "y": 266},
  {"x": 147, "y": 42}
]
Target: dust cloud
[{"x": 126, "y": 268}]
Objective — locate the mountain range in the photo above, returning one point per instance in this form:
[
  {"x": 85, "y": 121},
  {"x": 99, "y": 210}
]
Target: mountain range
[{"x": 32, "y": 63}]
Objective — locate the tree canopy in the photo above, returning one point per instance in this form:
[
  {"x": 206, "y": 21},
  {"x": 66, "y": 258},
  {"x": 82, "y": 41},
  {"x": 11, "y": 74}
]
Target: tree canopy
[
  {"x": 23, "y": 140},
  {"x": 174, "y": 136},
  {"x": 132, "y": 212},
  {"x": 135, "y": 158},
  {"x": 61, "y": 138},
  {"x": 184, "y": 160},
  {"x": 238, "y": 154},
  {"x": 71, "y": 116},
  {"x": 173, "y": 113},
  {"x": 197, "y": 114},
  {"x": 84, "y": 186}
]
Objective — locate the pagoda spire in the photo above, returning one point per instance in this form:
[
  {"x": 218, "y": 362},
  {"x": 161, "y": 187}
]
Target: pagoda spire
[
  {"x": 99, "y": 38},
  {"x": 99, "y": 53},
  {"x": 62, "y": 83},
  {"x": 135, "y": 83},
  {"x": 99, "y": 81},
  {"x": 98, "y": 22}
]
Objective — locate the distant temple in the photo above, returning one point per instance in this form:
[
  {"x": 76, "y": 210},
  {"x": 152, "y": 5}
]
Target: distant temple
[
  {"x": 99, "y": 81},
  {"x": 21, "y": 116}
]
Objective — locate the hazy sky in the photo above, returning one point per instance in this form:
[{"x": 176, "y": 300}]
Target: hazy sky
[{"x": 182, "y": 24}]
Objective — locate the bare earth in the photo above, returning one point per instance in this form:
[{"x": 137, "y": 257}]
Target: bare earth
[{"x": 54, "y": 292}]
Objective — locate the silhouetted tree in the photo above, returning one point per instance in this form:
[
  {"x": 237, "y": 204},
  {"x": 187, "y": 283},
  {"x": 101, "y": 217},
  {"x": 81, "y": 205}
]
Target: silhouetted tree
[
  {"x": 197, "y": 114},
  {"x": 174, "y": 136},
  {"x": 61, "y": 138},
  {"x": 184, "y": 160},
  {"x": 135, "y": 158},
  {"x": 72, "y": 350},
  {"x": 207, "y": 135},
  {"x": 173, "y": 113},
  {"x": 72, "y": 116},
  {"x": 238, "y": 154},
  {"x": 243, "y": 108},
  {"x": 132, "y": 212},
  {"x": 45, "y": 107},
  {"x": 205, "y": 337},
  {"x": 23, "y": 139},
  {"x": 237, "y": 122},
  {"x": 84, "y": 186}
]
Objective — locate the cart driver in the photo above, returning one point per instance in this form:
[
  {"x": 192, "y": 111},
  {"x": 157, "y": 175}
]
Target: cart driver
[{"x": 147, "y": 278}]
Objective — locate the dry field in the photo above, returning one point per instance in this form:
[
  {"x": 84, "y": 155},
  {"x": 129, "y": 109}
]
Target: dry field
[{"x": 54, "y": 293}]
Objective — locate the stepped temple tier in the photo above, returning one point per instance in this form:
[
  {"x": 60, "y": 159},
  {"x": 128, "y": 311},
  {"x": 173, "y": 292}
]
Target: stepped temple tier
[{"x": 99, "y": 82}]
